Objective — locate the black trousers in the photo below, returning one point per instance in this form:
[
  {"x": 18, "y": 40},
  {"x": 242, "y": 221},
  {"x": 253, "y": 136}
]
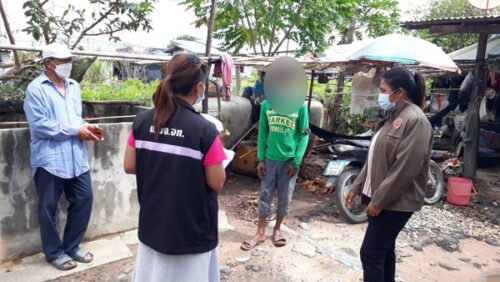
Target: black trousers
[
  {"x": 78, "y": 192},
  {"x": 378, "y": 249}
]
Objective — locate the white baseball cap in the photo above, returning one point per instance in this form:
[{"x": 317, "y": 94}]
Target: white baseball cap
[{"x": 55, "y": 50}]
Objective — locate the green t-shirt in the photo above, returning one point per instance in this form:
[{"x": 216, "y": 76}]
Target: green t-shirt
[{"x": 282, "y": 137}]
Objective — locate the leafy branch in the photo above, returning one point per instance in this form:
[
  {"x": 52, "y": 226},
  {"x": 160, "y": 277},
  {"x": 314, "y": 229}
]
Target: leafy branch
[{"x": 114, "y": 16}]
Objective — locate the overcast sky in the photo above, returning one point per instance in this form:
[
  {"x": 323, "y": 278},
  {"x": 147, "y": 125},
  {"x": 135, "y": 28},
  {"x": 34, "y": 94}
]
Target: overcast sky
[{"x": 169, "y": 20}]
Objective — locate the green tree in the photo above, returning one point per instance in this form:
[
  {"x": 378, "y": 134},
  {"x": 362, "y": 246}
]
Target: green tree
[
  {"x": 264, "y": 26},
  {"x": 446, "y": 9},
  {"x": 76, "y": 23},
  {"x": 106, "y": 17},
  {"x": 369, "y": 18}
]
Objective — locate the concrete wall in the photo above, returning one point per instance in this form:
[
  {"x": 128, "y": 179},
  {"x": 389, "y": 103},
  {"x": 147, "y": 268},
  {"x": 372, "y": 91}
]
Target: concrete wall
[
  {"x": 14, "y": 111},
  {"x": 115, "y": 198}
]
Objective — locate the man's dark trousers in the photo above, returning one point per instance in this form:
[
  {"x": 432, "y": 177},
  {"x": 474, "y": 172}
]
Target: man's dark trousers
[{"x": 78, "y": 192}]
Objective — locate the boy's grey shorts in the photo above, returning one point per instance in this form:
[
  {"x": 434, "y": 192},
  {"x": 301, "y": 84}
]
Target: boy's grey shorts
[{"x": 276, "y": 179}]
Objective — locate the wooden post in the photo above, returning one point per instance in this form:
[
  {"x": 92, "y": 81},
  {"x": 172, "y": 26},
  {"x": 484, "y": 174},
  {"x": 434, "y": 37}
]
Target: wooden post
[
  {"x": 238, "y": 80},
  {"x": 471, "y": 139},
  {"x": 337, "y": 101},
  {"x": 310, "y": 91},
  {"x": 338, "y": 97}
]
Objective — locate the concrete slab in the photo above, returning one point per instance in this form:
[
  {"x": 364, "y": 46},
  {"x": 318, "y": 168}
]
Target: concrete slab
[
  {"x": 337, "y": 255},
  {"x": 224, "y": 222},
  {"x": 35, "y": 268},
  {"x": 130, "y": 237}
]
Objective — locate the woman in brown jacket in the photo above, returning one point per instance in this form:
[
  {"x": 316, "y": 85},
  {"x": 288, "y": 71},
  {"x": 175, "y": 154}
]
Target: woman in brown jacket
[{"x": 394, "y": 178}]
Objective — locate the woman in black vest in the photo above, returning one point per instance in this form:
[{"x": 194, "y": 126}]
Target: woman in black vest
[{"x": 177, "y": 156}]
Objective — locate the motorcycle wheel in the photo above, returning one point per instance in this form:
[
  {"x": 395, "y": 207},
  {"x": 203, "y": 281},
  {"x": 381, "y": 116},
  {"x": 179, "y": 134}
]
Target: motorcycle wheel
[
  {"x": 355, "y": 214},
  {"x": 435, "y": 184}
]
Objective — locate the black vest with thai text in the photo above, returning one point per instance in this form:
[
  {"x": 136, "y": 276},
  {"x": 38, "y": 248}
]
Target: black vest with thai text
[{"x": 178, "y": 211}]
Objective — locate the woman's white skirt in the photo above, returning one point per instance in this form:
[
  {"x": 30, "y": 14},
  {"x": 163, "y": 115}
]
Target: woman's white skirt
[{"x": 152, "y": 266}]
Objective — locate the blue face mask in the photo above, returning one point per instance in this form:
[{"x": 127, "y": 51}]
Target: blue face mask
[
  {"x": 200, "y": 98},
  {"x": 384, "y": 101}
]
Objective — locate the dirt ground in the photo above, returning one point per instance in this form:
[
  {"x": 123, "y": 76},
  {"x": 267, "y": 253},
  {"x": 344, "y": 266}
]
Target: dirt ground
[{"x": 313, "y": 255}]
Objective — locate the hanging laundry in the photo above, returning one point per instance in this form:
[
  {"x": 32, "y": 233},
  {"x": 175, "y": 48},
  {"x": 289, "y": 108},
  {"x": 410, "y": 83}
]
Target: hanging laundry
[{"x": 227, "y": 76}]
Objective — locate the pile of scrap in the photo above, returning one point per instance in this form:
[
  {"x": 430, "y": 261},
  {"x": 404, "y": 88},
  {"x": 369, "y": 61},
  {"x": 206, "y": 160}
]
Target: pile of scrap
[{"x": 317, "y": 186}]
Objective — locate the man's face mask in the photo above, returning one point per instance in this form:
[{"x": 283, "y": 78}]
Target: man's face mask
[{"x": 63, "y": 70}]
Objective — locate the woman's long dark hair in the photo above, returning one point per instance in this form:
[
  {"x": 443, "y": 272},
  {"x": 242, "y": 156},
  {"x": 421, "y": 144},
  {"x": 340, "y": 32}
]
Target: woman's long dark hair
[
  {"x": 180, "y": 75},
  {"x": 414, "y": 84}
]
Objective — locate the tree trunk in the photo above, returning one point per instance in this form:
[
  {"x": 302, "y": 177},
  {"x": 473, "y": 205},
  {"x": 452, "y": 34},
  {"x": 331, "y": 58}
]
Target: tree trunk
[
  {"x": 17, "y": 60},
  {"x": 471, "y": 140},
  {"x": 337, "y": 101},
  {"x": 208, "y": 47}
]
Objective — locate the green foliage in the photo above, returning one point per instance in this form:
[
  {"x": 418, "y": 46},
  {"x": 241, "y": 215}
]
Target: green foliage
[
  {"x": 350, "y": 124},
  {"x": 99, "y": 72},
  {"x": 111, "y": 17},
  {"x": 265, "y": 26},
  {"x": 445, "y": 9},
  {"x": 11, "y": 90},
  {"x": 319, "y": 90},
  {"x": 372, "y": 18},
  {"x": 131, "y": 90},
  {"x": 15, "y": 88},
  {"x": 71, "y": 26}
]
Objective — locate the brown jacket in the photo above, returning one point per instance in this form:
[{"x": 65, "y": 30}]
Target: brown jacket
[{"x": 400, "y": 162}]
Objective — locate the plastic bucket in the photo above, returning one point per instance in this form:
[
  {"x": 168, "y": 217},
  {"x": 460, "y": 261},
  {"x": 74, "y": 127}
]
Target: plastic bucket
[{"x": 460, "y": 190}]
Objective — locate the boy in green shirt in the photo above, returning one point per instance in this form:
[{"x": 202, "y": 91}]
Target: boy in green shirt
[{"x": 282, "y": 143}]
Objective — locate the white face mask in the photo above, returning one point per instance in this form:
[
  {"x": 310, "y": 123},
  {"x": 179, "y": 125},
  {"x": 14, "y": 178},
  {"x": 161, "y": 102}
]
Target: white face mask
[
  {"x": 63, "y": 70},
  {"x": 200, "y": 98}
]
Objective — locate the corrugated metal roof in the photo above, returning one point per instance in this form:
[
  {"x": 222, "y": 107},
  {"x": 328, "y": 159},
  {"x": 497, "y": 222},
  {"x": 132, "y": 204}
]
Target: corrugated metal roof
[
  {"x": 469, "y": 53},
  {"x": 473, "y": 20},
  {"x": 191, "y": 46}
]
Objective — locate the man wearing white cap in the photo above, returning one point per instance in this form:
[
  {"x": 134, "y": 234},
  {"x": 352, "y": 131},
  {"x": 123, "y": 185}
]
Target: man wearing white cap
[{"x": 59, "y": 158}]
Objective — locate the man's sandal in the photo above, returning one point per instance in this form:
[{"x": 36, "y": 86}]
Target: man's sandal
[
  {"x": 64, "y": 262},
  {"x": 279, "y": 240},
  {"x": 250, "y": 244},
  {"x": 81, "y": 256}
]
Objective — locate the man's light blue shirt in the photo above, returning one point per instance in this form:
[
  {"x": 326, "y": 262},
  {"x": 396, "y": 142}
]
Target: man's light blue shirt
[{"x": 54, "y": 122}]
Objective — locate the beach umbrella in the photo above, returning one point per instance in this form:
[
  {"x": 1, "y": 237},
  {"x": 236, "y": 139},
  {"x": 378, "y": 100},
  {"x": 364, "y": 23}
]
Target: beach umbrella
[{"x": 405, "y": 49}]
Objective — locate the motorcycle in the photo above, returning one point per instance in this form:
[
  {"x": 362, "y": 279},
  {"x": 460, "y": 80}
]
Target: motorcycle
[{"x": 350, "y": 154}]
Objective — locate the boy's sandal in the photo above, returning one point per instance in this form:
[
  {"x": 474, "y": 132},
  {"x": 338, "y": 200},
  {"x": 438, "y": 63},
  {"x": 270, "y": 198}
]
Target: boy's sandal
[
  {"x": 81, "y": 256},
  {"x": 279, "y": 240},
  {"x": 250, "y": 244},
  {"x": 64, "y": 262}
]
